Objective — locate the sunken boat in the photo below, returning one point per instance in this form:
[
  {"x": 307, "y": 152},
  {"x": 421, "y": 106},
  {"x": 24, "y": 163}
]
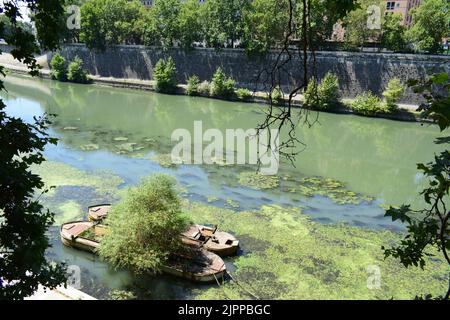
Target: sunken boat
[
  {"x": 209, "y": 238},
  {"x": 197, "y": 265}
]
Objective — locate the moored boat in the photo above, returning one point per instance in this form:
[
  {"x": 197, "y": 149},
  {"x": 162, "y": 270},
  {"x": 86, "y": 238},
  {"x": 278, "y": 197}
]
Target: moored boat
[
  {"x": 73, "y": 235},
  {"x": 196, "y": 265},
  {"x": 98, "y": 212},
  {"x": 210, "y": 238}
]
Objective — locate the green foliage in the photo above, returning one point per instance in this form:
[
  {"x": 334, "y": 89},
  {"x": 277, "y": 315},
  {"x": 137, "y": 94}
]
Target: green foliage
[
  {"x": 189, "y": 24},
  {"x": 367, "y": 104},
  {"x": 109, "y": 22},
  {"x": 223, "y": 22},
  {"x": 393, "y": 36},
  {"x": 164, "y": 22},
  {"x": 430, "y": 25},
  {"x": 192, "y": 85},
  {"x": 243, "y": 94},
  {"x": 357, "y": 31},
  {"x": 436, "y": 92},
  {"x": 324, "y": 95},
  {"x": 58, "y": 67},
  {"x": 144, "y": 229},
  {"x": 23, "y": 220},
  {"x": 393, "y": 93},
  {"x": 165, "y": 75},
  {"x": 76, "y": 73},
  {"x": 204, "y": 88},
  {"x": 265, "y": 24},
  {"x": 221, "y": 86},
  {"x": 428, "y": 228},
  {"x": 276, "y": 95}
]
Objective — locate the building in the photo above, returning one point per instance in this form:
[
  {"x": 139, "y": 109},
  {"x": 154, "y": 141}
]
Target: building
[{"x": 402, "y": 7}]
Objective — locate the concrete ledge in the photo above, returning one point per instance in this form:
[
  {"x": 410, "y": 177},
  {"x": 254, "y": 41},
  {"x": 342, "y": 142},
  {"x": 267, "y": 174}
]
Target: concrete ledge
[{"x": 60, "y": 293}]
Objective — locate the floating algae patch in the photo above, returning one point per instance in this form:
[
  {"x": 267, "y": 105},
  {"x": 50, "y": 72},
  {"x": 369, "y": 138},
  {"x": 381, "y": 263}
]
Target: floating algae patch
[
  {"x": 68, "y": 211},
  {"x": 316, "y": 186},
  {"x": 90, "y": 147},
  {"x": 302, "y": 259},
  {"x": 164, "y": 160},
  {"x": 258, "y": 181},
  {"x": 56, "y": 174},
  {"x": 74, "y": 190},
  {"x": 231, "y": 203}
]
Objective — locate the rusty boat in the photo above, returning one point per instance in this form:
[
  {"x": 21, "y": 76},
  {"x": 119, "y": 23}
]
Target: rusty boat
[
  {"x": 196, "y": 264},
  {"x": 209, "y": 238}
]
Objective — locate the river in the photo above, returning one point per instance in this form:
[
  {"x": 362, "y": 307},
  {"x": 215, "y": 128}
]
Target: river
[{"x": 126, "y": 133}]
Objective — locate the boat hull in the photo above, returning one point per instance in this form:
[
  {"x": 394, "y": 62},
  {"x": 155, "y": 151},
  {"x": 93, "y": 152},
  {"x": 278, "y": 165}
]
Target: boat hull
[{"x": 209, "y": 275}]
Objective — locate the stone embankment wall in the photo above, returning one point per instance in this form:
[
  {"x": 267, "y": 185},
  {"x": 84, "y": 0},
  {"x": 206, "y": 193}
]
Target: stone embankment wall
[{"x": 357, "y": 72}]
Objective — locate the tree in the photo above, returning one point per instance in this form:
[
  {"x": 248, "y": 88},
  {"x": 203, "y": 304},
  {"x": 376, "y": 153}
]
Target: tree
[
  {"x": 165, "y": 75},
  {"x": 221, "y": 86},
  {"x": 189, "y": 24},
  {"x": 164, "y": 19},
  {"x": 58, "y": 67},
  {"x": 393, "y": 93},
  {"x": 264, "y": 24},
  {"x": 324, "y": 95},
  {"x": 283, "y": 68},
  {"x": 430, "y": 25},
  {"x": 75, "y": 72},
  {"x": 223, "y": 22},
  {"x": 145, "y": 228},
  {"x": 357, "y": 31},
  {"x": 111, "y": 22},
  {"x": 428, "y": 227},
  {"x": 393, "y": 36},
  {"x": 23, "y": 221}
]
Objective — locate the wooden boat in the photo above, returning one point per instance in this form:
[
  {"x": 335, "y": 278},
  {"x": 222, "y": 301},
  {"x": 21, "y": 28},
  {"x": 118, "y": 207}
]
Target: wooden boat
[
  {"x": 210, "y": 238},
  {"x": 218, "y": 242},
  {"x": 98, "y": 212},
  {"x": 196, "y": 265},
  {"x": 71, "y": 234}
]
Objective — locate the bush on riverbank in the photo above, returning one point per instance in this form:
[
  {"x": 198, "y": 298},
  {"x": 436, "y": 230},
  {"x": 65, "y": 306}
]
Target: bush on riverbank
[
  {"x": 165, "y": 75},
  {"x": 221, "y": 85},
  {"x": 192, "y": 85},
  {"x": 144, "y": 228},
  {"x": 277, "y": 95},
  {"x": 76, "y": 73},
  {"x": 323, "y": 95},
  {"x": 204, "y": 88},
  {"x": 367, "y": 104},
  {"x": 393, "y": 93},
  {"x": 58, "y": 68},
  {"x": 243, "y": 94}
]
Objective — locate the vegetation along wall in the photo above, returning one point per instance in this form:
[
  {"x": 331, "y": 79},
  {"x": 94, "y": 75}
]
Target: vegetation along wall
[{"x": 356, "y": 71}]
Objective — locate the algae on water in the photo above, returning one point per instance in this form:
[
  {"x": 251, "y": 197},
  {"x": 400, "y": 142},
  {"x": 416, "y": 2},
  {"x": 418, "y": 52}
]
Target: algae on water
[
  {"x": 258, "y": 181},
  {"x": 288, "y": 256}
]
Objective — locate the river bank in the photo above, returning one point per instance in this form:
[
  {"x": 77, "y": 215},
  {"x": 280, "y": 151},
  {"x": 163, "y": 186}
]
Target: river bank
[{"x": 406, "y": 112}]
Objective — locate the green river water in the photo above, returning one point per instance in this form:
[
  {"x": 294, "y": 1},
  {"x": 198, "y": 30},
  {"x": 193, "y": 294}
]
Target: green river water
[{"x": 310, "y": 234}]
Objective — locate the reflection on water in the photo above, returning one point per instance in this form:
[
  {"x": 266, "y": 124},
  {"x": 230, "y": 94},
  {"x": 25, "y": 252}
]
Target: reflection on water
[{"x": 122, "y": 130}]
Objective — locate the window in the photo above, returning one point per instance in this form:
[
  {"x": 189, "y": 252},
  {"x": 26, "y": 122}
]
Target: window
[{"x": 390, "y": 5}]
